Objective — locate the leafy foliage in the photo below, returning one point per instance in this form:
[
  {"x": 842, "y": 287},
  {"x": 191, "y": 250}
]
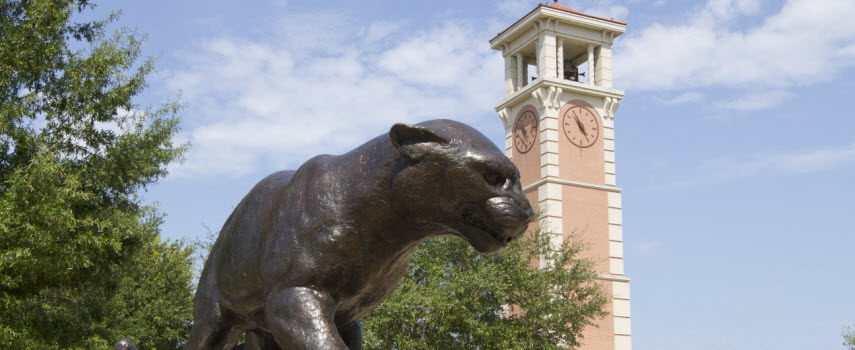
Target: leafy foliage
[
  {"x": 74, "y": 151},
  {"x": 454, "y": 298},
  {"x": 154, "y": 303},
  {"x": 849, "y": 337}
]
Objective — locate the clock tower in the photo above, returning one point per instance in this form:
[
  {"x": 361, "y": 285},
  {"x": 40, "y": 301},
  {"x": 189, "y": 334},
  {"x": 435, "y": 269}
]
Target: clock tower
[{"x": 558, "y": 112}]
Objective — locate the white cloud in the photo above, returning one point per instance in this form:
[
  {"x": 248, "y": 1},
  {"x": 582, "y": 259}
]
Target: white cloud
[
  {"x": 753, "y": 101},
  {"x": 272, "y": 103},
  {"x": 381, "y": 30},
  {"x": 686, "y": 97},
  {"x": 647, "y": 247},
  {"x": 731, "y": 168},
  {"x": 814, "y": 161},
  {"x": 802, "y": 44}
]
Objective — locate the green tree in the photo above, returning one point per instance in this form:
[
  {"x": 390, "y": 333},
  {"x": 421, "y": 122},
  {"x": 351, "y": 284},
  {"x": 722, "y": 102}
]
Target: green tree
[
  {"x": 454, "y": 298},
  {"x": 849, "y": 337},
  {"x": 75, "y": 149},
  {"x": 154, "y": 303}
]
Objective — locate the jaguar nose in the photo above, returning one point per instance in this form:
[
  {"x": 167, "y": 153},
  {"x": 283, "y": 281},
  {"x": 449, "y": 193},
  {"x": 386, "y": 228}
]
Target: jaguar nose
[
  {"x": 525, "y": 208},
  {"x": 529, "y": 212}
]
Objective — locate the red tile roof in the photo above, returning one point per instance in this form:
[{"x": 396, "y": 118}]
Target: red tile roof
[{"x": 559, "y": 7}]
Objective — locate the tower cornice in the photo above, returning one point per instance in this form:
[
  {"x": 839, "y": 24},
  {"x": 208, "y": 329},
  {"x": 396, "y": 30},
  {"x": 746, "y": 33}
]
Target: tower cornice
[
  {"x": 543, "y": 12},
  {"x": 563, "y": 84}
]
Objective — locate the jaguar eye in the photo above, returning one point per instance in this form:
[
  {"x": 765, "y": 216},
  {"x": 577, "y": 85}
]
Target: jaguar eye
[{"x": 494, "y": 179}]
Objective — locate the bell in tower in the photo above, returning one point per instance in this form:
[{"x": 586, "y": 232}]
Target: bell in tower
[
  {"x": 560, "y": 132},
  {"x": 571, "y": 72}
]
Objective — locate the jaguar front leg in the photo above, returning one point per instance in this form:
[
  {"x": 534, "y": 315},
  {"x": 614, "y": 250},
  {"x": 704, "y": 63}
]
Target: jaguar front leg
[{"x": 302, "y": 318}]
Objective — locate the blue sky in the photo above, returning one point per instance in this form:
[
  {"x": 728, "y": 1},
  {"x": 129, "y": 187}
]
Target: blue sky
[{"x": 735, "y": 141}]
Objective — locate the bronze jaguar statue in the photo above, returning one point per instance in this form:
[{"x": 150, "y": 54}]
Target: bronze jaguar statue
[{"x": 308, "y": 253}]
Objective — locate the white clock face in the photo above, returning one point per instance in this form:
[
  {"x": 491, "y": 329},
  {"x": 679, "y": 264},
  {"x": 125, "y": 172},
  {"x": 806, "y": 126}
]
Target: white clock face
[{"x": 581, "y": 126}]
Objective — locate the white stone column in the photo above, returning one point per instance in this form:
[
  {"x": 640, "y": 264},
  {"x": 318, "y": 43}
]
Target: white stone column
[
  {"x": 591, "y": 69},
  {"x": 546, "y": 55},
  {"x": 511, "y": 82},
  {"x": 559, "y": 58},
  {"x": 604, "y": 66},
  {"x": 521, "y": 72}
]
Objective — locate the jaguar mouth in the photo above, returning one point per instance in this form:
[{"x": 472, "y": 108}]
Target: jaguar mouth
[{"x": 472, "y": 217}]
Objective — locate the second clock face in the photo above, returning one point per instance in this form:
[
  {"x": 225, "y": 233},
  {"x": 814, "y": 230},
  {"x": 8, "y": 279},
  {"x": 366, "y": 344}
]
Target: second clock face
[{"x": 581, "y": 126}]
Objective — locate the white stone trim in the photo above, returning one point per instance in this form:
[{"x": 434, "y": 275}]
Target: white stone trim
[
  {"x": 544, "y": 180},
  {"x": 539, "y": 13},
  {"x": 591, "y": 66},
  {"x": 509, "y": 136},
  {"x": 609, "y": 122},
  {"x": 615, "y": 249},
  {"x": 546, "y": 95},
  {"x": 621, "y": 307},
  {"x": 546, "y": 61},
  {"x": 548, "y": 191},
  {"x": 521, "y": 69},
  {"x": 549, "y": 135},
  {"x": 549, "y": 170},
  {"x": 614, "y": 199},
  {"x": 622, "y": 326},
  {"x": 559, "y": 57},
  {"x": 610, "y": 168},
  {"x": 549, "y": 159},
  {"x": 619, "y": 279},
  {"x": 556, "y": 99},
  {"x": 548, "y": 123},
  {"x": 616, "y": 266},
  {"x": 551, "y": 207},
  {"x": 607, "y": 106},
  {"x": 549, "y": 147},
  {"x": 610, "y": 180},
  {"x": 615, "y": 216},
  {"x": 552, "y": 224},
  {"x": 623, "y": 342},
  {"x": 608, "y": 145},
  {"x": 614, "y": 107},
  {"x": 620, "y": 290},
  {"x": 503, "y": 115},
  {"x": 608, "y": 133},
  {"x": 615, "y": 232},
  {"x": 528, "y": 91},
  {"x": 609, "y": 155},
  {"x": 603, "y": 55}
]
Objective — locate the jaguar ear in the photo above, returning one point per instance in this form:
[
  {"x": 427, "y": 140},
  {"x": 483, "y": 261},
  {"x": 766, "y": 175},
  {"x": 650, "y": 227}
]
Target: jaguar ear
[{"x": 415, "y": 141}]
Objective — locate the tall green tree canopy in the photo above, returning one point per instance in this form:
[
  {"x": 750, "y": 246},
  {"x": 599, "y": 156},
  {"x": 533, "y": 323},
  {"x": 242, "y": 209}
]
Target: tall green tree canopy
[
  {"x": 454, "y": 298},
  {"x": 75, "y": 149}
]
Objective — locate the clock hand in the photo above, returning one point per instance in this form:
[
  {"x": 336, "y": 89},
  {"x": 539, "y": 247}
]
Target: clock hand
[{"x": 581, "y": 127}]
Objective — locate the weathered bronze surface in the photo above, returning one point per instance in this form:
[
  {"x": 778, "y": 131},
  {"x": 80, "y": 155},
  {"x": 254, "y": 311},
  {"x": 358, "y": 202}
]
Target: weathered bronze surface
[
  {"x": 308, "y": 253},
  {"x": 124, "y": 344}
]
